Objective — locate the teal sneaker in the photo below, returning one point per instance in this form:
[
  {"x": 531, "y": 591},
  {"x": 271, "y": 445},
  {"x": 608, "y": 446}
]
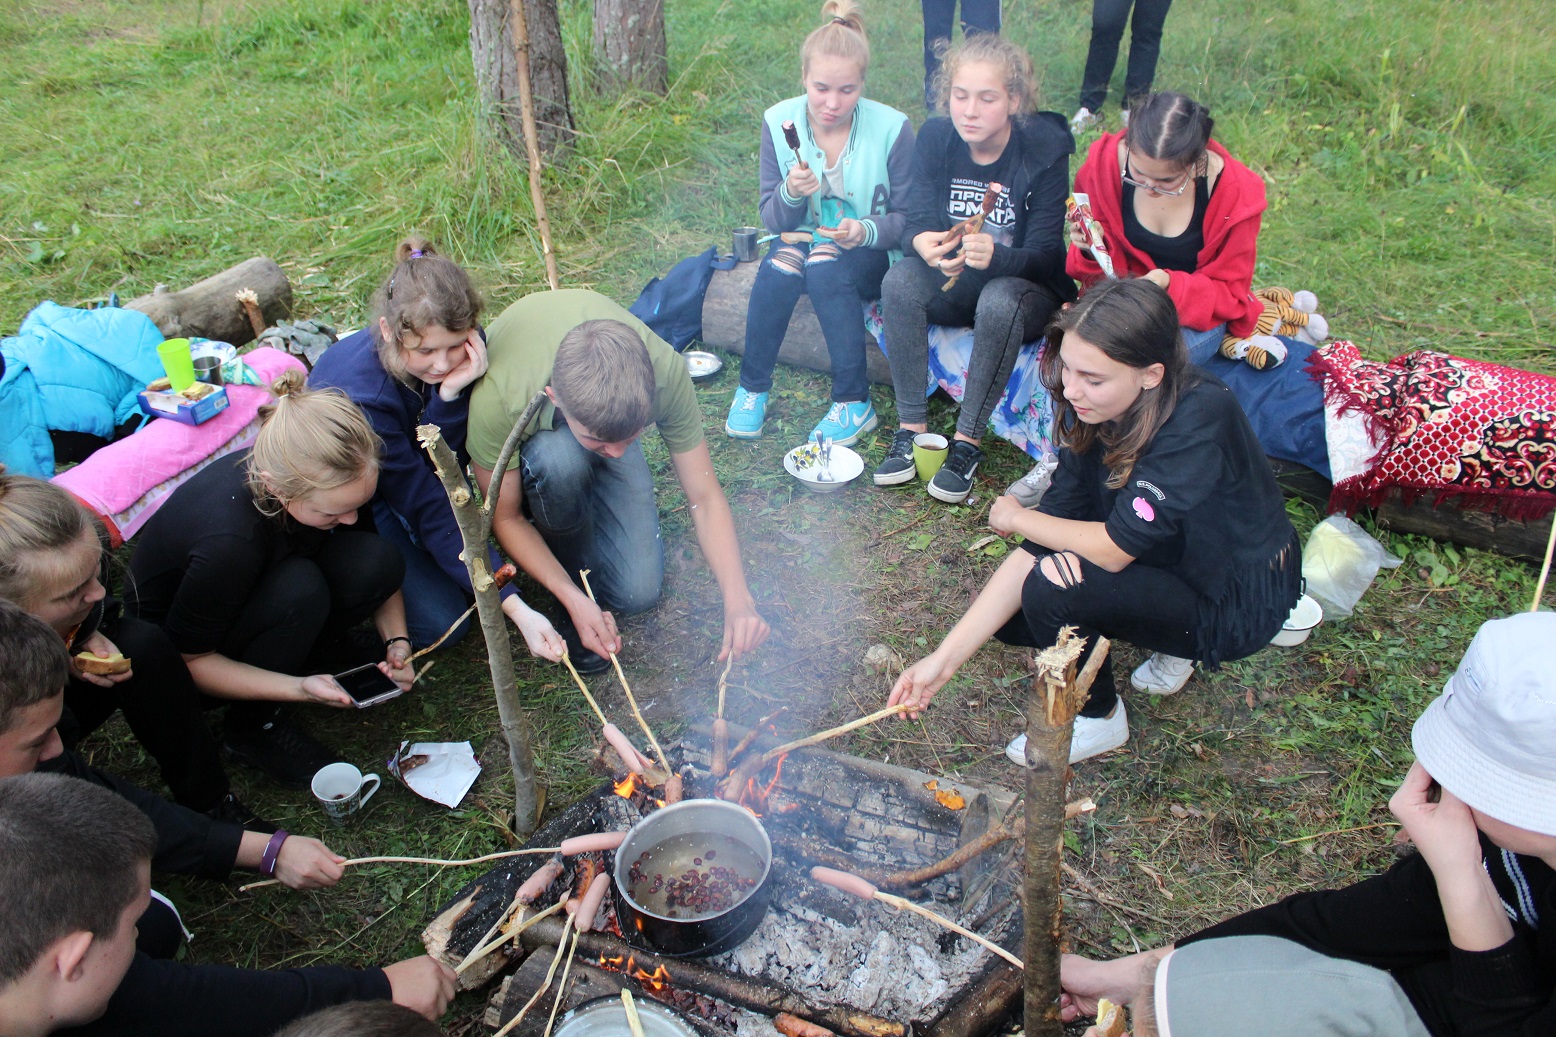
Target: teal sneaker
[
  {"x": 747, "y": 412},
  {"x": 846, "y": 423}
]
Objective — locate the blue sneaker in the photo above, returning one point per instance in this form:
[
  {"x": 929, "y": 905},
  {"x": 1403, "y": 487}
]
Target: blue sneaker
[
  {"x": 846, "y": 423},
  {"x": 747, "y": 412}
]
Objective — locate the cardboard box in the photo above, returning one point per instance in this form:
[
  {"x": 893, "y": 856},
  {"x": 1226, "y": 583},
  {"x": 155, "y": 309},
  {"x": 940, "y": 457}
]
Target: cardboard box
[{"x": 159, "y": 401}]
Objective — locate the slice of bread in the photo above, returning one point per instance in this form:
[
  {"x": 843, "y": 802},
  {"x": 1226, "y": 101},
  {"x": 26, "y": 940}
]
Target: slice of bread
[
  {"x": 90, "y": 662},
  {"x": 1111, "y": 1021}
]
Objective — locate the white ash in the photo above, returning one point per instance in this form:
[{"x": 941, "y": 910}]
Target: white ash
[{"x": 889, "y": 965}]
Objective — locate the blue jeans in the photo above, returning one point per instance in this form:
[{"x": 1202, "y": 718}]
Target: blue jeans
[
  {"x": 1202, "y": 345},
  {"x": 977, "y": 16},
  {"x": 432, "y": 599},
  {"x": 836, "y": 287},
  {"x": 596, "y": 513}
]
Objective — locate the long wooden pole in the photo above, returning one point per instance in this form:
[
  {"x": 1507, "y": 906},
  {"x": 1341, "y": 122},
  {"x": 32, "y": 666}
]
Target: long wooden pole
[
  {"x": 532, "y": 136},
  {"x": 1055, "y": 698}
]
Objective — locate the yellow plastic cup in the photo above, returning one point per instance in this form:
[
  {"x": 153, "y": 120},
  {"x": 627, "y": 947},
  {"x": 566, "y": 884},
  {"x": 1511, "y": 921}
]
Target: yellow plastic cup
[
  {"x": 929, "y": 450},
  {"x": 177, "y": 362}
]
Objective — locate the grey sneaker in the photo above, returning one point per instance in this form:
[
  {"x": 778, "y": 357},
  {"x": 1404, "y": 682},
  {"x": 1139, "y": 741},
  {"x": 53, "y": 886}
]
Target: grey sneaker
[
  {"x": 1029, "y": 489},
  {"x": 898, "y": 466}
]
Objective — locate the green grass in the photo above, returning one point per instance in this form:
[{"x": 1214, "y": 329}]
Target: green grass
[{"x": 1410, "y": 152}]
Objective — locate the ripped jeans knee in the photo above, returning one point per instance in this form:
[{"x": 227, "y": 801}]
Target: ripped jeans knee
[
  {"x": 1063, "y": 569},
  {"x": 825, "y": 252},
  {"x": 788, "y": 260}
]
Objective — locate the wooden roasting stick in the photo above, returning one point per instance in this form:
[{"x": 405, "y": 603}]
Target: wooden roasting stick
[
  {"x": 631, "y": 700},
  {"x": 500, "y": 577},
  {"x": 417, "y": 860},
  {"x": 561, "y": 947},
  {"x": 720, "y": 764},
  {"x": 754, "y": 765},
  {"x": 972, "y": 225},
  {"x": 850, "y": 883},
  {"x": 514, "y": 933},
  {"x": 632, "y": 1012}
]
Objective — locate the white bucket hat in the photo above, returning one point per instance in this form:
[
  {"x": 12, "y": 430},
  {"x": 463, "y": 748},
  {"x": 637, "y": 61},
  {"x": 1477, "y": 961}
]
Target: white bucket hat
[{"x": 1490, "y": 737}]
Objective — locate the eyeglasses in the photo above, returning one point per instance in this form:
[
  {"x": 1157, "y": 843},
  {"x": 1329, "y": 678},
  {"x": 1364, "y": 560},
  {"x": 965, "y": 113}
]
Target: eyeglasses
[{"x": 1155, "y": 186}]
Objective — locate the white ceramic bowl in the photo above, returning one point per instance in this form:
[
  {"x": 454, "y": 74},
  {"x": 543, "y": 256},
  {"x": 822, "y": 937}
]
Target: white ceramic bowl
[
  {"x": 1307, "y": 615},
  {"x": 702, "y": 365},
  {"x": 846, "y": 467}
]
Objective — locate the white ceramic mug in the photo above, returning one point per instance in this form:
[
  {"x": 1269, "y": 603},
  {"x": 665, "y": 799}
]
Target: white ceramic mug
[{"x": 343, "y": 790}]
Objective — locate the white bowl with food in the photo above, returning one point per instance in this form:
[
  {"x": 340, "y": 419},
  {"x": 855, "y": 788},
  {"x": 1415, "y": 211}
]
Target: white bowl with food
[
  {"x": 1300, "y": 623},
  {"x": 700, "y": 364},
  {"x": 804, "y": 463}
]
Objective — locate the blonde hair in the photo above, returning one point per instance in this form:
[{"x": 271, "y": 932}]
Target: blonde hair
[
  {"x": 841, "y": 35},
  {"x": 309, "y": 440},
  {"x": 1014, "y": 65},
  {"x": 424, "y": 289},
  {"x": 37, "y": 519}
]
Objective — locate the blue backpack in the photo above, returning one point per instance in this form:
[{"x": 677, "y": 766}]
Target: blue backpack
[{"x": 672, "y": 305}]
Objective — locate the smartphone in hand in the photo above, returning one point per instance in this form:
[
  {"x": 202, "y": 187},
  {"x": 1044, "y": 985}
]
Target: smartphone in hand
[{"x": 367, "y": 685}]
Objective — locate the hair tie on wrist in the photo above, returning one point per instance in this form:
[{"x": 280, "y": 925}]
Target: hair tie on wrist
[
  {"x": 391, "y": 640},
  {"x": 267, "y": 860}
]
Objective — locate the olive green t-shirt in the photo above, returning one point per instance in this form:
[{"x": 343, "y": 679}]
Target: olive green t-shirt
[{"x": 521, "y": 347}]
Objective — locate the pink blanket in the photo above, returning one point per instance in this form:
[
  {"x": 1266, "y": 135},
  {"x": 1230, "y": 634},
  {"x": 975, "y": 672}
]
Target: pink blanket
[{"x": 126, "y": 482}]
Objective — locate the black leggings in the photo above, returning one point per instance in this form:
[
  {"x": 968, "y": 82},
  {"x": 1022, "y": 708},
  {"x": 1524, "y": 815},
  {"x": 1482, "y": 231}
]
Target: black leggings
[
  {"x": 304, "y": 607},
  {"x": 161, "y": 706},
  {"x": 1005, "y": 313},
  {"x": 1149, "y": 608}
]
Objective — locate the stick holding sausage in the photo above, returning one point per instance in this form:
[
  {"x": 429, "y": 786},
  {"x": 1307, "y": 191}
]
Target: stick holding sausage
[
  {"x": 973, "y": 225},
  {"x": 791, "y": 137}
]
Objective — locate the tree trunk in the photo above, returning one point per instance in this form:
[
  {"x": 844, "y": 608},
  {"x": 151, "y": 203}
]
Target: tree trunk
[
  {"x": 629, "y": 45},
  {"x": 493, "y": 49}
]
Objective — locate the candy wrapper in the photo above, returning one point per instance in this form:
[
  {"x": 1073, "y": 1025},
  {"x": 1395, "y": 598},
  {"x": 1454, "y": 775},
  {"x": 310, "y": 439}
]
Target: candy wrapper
[
  {"x": 440, "y": 771},
  {"x": 1078, "y": 211}
]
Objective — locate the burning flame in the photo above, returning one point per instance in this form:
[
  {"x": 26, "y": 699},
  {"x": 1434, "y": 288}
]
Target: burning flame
[
  {"x": 656, "y": 982},
  {"x": 754, "y": 798}
]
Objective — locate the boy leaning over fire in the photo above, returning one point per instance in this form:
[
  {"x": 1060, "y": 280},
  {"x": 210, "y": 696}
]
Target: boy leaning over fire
[
  {"x": 578, "y": 494},
  {"x": 1446, "y": 943}
]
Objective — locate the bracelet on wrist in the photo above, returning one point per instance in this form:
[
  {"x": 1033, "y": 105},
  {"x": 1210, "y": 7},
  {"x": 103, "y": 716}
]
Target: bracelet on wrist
[
  {"x": 389, "y": 641},
  {"x": 267, "y": 860}
]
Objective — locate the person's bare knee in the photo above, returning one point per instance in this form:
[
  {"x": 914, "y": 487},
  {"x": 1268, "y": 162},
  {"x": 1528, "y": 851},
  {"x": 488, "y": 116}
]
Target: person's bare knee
[
  {"x": 788, "y": 260},
  {"x": 1062, "y": 569}
]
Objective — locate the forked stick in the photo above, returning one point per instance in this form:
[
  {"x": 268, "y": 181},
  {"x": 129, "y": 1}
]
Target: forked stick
[
  {"x": 853, "y": 725},
  {"x": 512, "y": 934},
  {"x": 849, "y": 883},
  {"x": 417, "y": 860},
  {"x": 561, "y": 987},
  {"x": 631, "y": 700}
]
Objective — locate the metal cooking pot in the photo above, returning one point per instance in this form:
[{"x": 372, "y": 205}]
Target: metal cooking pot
[
  {"x": 607, "y": 1017},
  {"x": 710, "y": 842}
]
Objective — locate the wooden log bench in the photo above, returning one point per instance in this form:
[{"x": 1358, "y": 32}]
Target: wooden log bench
[{"x": 724, "y": 327}]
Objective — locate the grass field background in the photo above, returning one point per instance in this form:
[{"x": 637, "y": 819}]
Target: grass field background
[{"x": 1409, "y": 149}]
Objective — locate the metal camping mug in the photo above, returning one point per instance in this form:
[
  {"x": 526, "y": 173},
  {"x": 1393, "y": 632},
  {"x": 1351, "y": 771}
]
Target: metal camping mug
[
  {"x": 745, "y": 244},
  {"x": 208, "y": 368},
  {"x": 339, "y": 789}
]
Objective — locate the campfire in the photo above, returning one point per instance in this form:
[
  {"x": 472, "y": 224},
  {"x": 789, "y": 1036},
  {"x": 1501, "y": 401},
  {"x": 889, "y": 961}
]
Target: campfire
[{"x": 814, "y": 952}]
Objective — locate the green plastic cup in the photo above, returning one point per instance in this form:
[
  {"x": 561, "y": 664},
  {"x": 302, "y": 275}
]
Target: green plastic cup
[
  {"x": 177, "y": 362},
  {"x": 929, "y": 453}
]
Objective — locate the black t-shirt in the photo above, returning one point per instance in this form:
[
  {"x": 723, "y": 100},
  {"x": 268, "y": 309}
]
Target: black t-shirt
[
  {"x": 1201, "y": 503},
  {"x": 203, "y": 553},
  {"x": 1180, "y": 252},
  {"x": 969, "y": 183}
]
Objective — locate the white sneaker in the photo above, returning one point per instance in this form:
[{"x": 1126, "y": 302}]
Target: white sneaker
[
  {"x": 1083, "y": 120},
  {"x": 1091, "y": 736},
  {"x": 1162, "y": 674},
  {"x": 1029, "y": 489}
]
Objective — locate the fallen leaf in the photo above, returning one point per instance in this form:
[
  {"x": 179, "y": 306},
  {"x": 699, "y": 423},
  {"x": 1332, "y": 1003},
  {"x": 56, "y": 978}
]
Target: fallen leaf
[
  {"x": 931, "y": 784},
  {"x": 950, "y": 799},
  {"x": 1176, "y": 810},
  {"x": 1156, "y": 876},
  {"x": 1248, "y": 698}
]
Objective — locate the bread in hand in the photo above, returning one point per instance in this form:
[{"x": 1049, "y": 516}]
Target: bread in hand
[
  {"x": 90, "y": 662},
  {"x": 1110, "y": 1019}
]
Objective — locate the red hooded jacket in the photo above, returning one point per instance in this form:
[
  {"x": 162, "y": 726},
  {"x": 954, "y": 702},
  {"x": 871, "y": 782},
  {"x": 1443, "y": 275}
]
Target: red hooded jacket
[{"x": 1220, "y": 290}]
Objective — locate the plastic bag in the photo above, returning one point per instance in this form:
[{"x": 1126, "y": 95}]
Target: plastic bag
[{"x": 1339, "y": 563}]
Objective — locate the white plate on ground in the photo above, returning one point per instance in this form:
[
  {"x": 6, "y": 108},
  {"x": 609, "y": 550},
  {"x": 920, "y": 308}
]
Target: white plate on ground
[
  {"x": 702, "y": 365},
  {"x": 845, "y": 468}
]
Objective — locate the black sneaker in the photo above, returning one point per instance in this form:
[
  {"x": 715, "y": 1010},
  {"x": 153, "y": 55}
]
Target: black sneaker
[
  {"x": 954, "y": 481},
  {"x": 232, "y": 811},
  {"x": 898, "y": 466},
  {"x": 583, "y": 660},
  {"x": 282, "y": 750}
]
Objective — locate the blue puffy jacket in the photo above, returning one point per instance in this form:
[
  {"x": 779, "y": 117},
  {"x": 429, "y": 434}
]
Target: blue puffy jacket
[{"x": 71, "y": 370}]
